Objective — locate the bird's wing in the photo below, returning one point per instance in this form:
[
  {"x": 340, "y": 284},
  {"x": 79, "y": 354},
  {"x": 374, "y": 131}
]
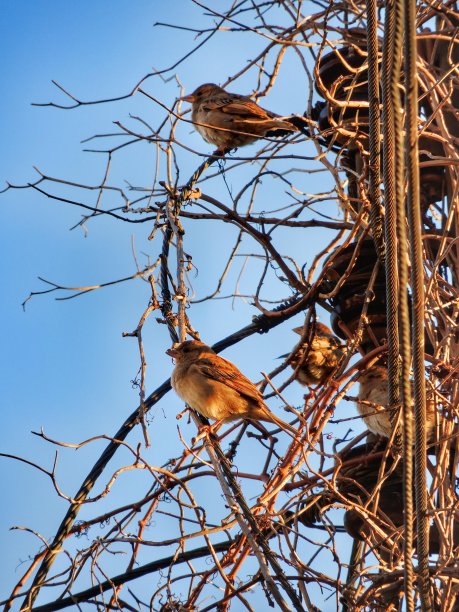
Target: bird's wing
[
  {"x": 243, "y": 107},
  {"x": 225, "y": 372},
  {"x": 326, "y": 342}
]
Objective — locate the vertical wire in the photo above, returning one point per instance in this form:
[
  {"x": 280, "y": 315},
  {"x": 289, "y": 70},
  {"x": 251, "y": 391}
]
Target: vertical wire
[
  {"x": 413, "y": 206},
  {"x": 390, "y": 218},
  {"x": 404, "y": 316},
  {"x": 374, "y": 173},
  {"x": 397, "y": 264}
]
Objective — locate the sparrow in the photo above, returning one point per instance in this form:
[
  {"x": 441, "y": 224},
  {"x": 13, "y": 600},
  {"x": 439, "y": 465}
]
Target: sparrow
[
  {"x": 318, "y": 356},
  {"x": 214, "y": 387},
  {"x": 373, "y": 403},
  {"x": 229, "y": 120}
]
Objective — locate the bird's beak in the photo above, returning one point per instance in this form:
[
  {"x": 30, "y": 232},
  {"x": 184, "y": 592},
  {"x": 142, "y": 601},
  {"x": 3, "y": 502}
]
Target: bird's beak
[
  {"x": 283, "y": 356},
  {"x": 189, "y": 98},
  {"x": 172, "y": 352}
]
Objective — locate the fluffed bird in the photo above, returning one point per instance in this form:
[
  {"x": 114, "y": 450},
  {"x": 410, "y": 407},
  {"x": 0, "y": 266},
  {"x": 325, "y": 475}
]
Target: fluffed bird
[
  {"x": 373, "y": 403},
  {"x": 214, "y": 387},
  {"x": 229, "y": 120},
  {"x": 318, "y": 356}
]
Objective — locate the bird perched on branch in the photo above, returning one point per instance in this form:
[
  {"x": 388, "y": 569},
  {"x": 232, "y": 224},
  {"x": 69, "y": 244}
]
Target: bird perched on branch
[
  {"x": 318, "y": 356},
  {"x": 373, "y": 403},
  {"x": 214, "y": 387},
  {"x": 229, "y": 120}
]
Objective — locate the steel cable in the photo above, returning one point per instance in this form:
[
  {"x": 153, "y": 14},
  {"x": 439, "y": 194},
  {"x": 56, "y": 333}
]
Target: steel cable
[
  {"x": 413, "y": 206},
  {"x": 397, "y": 265},
  {"x": 374, "y": 173}
]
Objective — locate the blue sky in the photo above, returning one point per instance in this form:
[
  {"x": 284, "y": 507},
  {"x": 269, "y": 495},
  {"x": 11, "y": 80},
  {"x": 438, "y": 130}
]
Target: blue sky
[{"x": 66, "y": 366}]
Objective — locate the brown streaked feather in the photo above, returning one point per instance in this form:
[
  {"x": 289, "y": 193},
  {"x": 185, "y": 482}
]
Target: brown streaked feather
[
  {"x": 246, "y": 109},
  {"x": 236, "y": 105},
  {"x": 227, "y": 374}
]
